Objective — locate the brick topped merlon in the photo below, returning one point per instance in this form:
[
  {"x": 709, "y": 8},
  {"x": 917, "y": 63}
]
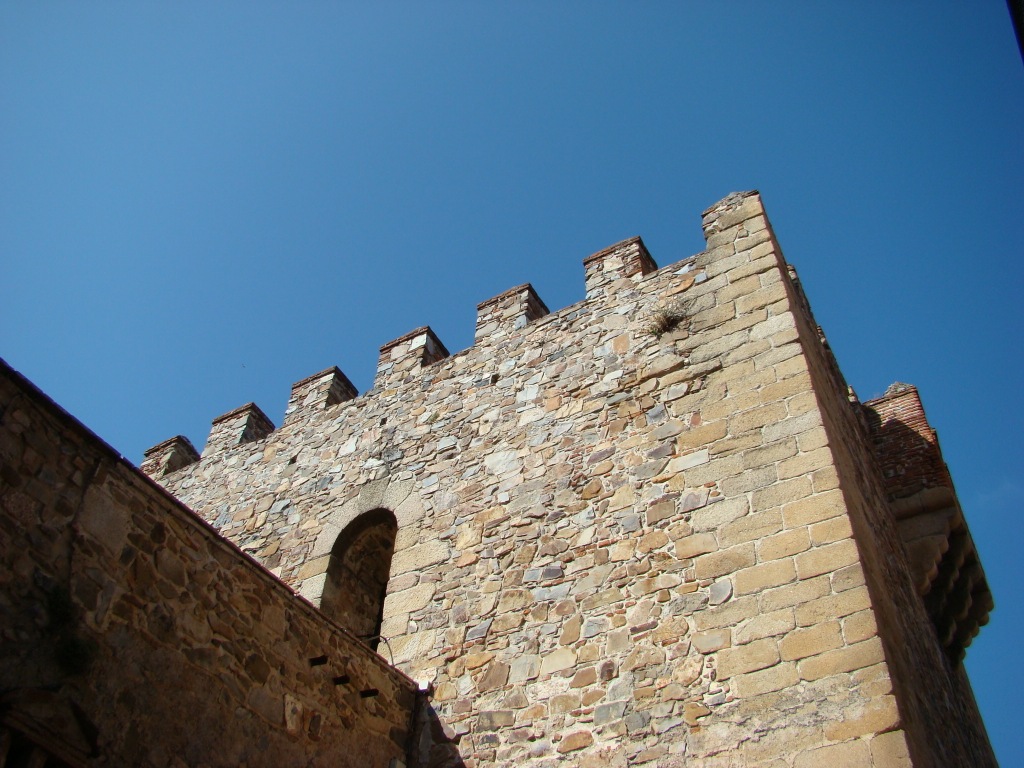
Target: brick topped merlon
[
  {"x": 320, "y": 390},
  {"x": 242, "y": 425},
  {"x": 422, "y": 331},
  {"x": 334, "y": 373},
  {"x": 242, "y": 410},
  {"x": 506, "y": 297},
  {"x": 507, "y": 312},
  {"x": 940, "y": 550},
  {"x": 169, "y": 456},
  {"x": 627, "y": 260},
  {"x": 403, "y": 356},
  {"x": 906, "y": 446}
]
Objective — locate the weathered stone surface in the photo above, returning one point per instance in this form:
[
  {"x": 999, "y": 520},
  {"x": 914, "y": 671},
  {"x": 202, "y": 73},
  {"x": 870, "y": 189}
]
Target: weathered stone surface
[
  {"x": 574, "y": 741},
  {"x": 556, "y": 661}
]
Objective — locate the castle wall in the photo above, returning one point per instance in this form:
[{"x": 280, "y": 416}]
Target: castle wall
[
  {"x": 131, "y": 634},
  {"x": 625, "y": 534}
]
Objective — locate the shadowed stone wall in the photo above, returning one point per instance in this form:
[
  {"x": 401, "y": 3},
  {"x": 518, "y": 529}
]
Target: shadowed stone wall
[{"x": 131, "y": 634}]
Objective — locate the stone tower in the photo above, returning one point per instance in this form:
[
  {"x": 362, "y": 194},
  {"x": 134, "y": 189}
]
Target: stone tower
[{"x": 652, "y": 528}]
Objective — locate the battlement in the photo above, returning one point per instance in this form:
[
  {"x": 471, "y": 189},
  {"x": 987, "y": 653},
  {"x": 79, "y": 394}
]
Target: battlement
[
  {"x": 607, "y": 272},
  {"x": 403, "y": 357},
  {"x": 638, "y": 521},
  {"x": 623, "y": 261},
  {"x": 242, "y": 425},
  {"x": 507, "y": 312},
  {"x": 319, "y": 391},
  {"x": 169, "y": 456}
]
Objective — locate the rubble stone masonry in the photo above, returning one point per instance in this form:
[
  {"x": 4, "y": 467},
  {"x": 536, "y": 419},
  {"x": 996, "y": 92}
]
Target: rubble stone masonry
[
  {"x": 652, "y": 528},
  {"x": 131, "y": 634}
]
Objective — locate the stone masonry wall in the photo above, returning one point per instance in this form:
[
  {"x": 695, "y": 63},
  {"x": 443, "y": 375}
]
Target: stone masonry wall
[
  {"x": 131, "y": 634},
  {"x": 623, "y": 532}
]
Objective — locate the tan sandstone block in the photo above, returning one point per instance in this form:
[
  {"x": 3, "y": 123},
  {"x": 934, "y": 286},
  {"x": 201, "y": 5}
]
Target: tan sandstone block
[
  {"x": 805, "y": 463},
  {"x": 409, "y": 600},
  {"x": 877, "y": 716},
  {"x": 765, "y": 625},
  {"x": 556, "y": 661},
  {"x": 575, "y": 741},
  {"x": 793, "y": 366},
  {"x": 739, "y": 287},
  {"x": 420, "y": 556},
  {"x": 314, "y": 567},
  {"x": 728, "y": 614},
  {"x": 704, "y": 435},
  {"x": 847, "y": 578},
  {"x": 747, "y": 658},
  {"x": 714, "y": 516},
  {"x": 859, "y": 626},
  {"x": 810, "y": 641},
  {"x": 794, "y": 594},
  {"x": 784, "y": 492},
  {"x": 836, "y": 529},
  {"x": 760, "y": 298},
  {"x": 814, "y": 509},
  {"x": 775, "y": 678},
  {"x": 766, "y": 575},
  {"x": 825, "y": 479},
  {"x": 850, "y": 754},
  {"x": 787, "y": 387},
  {"x": 752, "y": 380},
  {"x": 731, "y": 405},
  {"x": 693, "y": 711},
  {"x": 717, "y": 564},
  {"x": 812, "y": 438},
  {"x": 756, "y": 418},
  {"x": 623, "y": 497},
  {"x": 842, "y": 660},
  {"x": 832, "y": 606},
  {"x": 804, "y": 402},
  {"x": 889, "y": 750},
  {"x": 752, "y": 527},
  {"x": 713, "y": 640},
  {"x": 785, "y": 544},
  {"x": 826, "y": 559},
  {"x": 873, "y": 680}
]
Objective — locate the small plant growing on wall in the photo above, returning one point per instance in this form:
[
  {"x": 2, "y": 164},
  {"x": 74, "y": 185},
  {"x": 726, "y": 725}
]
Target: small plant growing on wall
[{"x": 665, "y": 320}]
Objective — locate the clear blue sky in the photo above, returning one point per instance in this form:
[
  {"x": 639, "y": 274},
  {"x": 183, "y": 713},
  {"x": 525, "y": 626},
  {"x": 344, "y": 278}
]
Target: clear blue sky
[{"x": 201, "y": 203}]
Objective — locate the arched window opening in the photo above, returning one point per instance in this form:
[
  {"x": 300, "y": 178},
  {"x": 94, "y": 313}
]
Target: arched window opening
[{"x": 357, "y": 574}]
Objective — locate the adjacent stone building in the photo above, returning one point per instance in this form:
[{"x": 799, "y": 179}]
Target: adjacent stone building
[{"x": 652, "y": 528}]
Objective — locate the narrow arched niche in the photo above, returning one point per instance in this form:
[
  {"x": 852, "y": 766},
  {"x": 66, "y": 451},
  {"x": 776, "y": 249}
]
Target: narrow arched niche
[{"x": 357, "y": 574}]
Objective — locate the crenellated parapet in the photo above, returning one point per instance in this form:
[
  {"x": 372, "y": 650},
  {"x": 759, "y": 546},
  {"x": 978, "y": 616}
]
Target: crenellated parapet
[
  {"x": 506, "y": 316},
  {"x": 499, "y": 318},
  {"x": 242, "y": 425},
  {"x": 626, "y": 261},
  {"x": 508, "y": 312},
  {"x": 404, "y": 357},
  {"x": 329, "y": 387},
  {"x": 169, "y": 456}
]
